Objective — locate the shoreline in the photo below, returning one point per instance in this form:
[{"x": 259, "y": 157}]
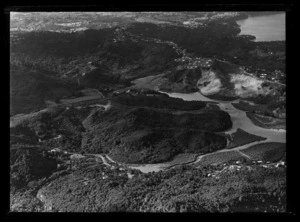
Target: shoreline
[{"x": 235, "y": 114}]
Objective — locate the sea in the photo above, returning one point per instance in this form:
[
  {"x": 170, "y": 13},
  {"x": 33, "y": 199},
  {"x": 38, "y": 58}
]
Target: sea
[{"x": 264, "y": 27}]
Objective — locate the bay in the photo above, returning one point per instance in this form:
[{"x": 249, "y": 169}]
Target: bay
[{"x": 264, "y": 27}]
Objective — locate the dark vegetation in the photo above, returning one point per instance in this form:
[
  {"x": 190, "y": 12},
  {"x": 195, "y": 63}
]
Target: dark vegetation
[
  {"x": 190, "y": 76},
  {"x": 265, "y": 105},
  {"x": 218, "y": 40},
  {"x": 189, "y": 38},
  {"x": 28, "y": 164},
  {"x": 184, "y": 80},
  {"x": 261, "y": 99},
  {"x": 46, "y": 126},
  {"x": 69, "y": 53},
  {"x": 146, "y": 135},
  {"x": 110, "y": 57},
  {"x": 266, "y": 121},
  {"x": 137, "y": 129},
  {"x": 22, "y": 134},
  {"x": 29, "y": 89},
  {"x": 159, "y": 101},
  {"x": 241, "y": 137},
  {"x": 100, "y": 78},
  {"x": 81, "y": 188},
  {"x": 88, "y": 59},
  {"x": 245, "y": 106},
  {"x": 270, "y": 151}
]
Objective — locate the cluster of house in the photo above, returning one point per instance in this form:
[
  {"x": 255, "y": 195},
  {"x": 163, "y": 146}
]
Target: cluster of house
[
  {"x": 274, "y": 76},
  {"x": 194, "y": 23},
  {"x": 193, "y": 63},
  {"x": 280, "y": 113},
  {"x": 57, "y": 150},
  {"x": 237, "y": 167},
  {"x": 183, "y": 59},
  {"x": 120, "y": 34},
  {"x": 224, "y": 15},
  {"x": 263, "y": 75},
  {"x": 202, "y": 62},
  {"x": 119, "y": 38}
]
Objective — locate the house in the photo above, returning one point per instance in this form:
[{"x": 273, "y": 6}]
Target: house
[
  {"x": 263, "y": 75},
  {"x": 55, "y": 150}
]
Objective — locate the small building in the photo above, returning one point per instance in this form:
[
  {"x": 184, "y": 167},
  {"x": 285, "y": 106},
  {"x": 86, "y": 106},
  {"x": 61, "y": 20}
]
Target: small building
[{"x": 55, "y": 150}]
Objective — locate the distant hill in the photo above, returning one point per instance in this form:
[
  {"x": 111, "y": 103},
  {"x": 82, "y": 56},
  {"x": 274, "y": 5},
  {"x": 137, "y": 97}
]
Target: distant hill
[
  {"x": 29, "y": 89},
  {"x": 72, "y": 55},
  {"x": 260, "y": 13},
  {"x": 87, "y": 112}
]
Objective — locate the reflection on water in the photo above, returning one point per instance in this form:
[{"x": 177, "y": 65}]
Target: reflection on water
[
  {"x": 264, "y": 28},
  {"x": 238, "y": 117}
]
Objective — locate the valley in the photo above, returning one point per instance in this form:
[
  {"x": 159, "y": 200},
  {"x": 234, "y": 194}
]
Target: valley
[{"x": 153, "y": 114}]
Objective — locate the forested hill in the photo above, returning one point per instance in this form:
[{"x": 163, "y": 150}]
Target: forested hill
[{"x": 92, "y": 113}]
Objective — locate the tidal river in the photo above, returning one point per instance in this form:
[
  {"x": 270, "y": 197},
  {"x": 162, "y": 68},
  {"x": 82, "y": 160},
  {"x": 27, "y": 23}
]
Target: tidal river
[
  {"x": 264, "y": 27},
  {"x": 239, "y": 119}
]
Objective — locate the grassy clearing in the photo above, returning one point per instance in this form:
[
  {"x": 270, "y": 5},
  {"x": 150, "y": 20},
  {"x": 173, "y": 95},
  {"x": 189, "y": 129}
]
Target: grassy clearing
[
  {"x": 221, "y": 157},
  {"x": 20, "y": 118},
  {"x": 272, "y": 151},
  {"x": 149, "y": 82},
  {"x": 91, "y": 92},
  {"x": 183, "y": 158},
  {"x": 241, "y": 137},
  {"x": 267, "y": 122},
  {"x": 82, "y": 99}
]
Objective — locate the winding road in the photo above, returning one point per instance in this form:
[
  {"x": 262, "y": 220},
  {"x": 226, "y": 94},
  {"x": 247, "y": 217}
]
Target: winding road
[{"x": 239, "y": 119}]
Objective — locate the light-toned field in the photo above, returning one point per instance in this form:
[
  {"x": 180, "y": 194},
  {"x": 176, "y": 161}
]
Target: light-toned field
[
  {"x": 91, "y": 92},
  {"x": 246, "y": 86},
  {"x": 149, "y": 82},
  {"x": 20, "y": 118},
  {"x": 221, "y": 157},
  {"x": 214, "y": 84},
  {"x": 81, "y": 99},
  {"x": 183, "y": 158}
]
